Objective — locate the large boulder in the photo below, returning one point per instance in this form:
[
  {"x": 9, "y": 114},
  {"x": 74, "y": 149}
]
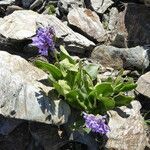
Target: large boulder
[
  {"x": 133, "y": 29},
  {"x": 127, "y": 129},
  {"x": 129, "y": 58},
  {"x": 19, "y": 27},
  {"x": 23, "y": 97},
  {"x": 88, "y": 22}
]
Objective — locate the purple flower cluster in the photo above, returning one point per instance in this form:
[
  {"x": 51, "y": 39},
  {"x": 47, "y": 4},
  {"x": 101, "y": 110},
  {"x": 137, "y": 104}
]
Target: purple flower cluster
[
  {"x": 96, "y": 123},
  {"x": 44, "y": 40}
]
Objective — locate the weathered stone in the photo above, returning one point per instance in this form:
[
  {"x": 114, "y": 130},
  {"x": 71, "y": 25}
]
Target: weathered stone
[
  {"x": 127, "y": 129},
  {"x": 143, "y": 85},
  {"x": 134, "y": 25},
  {"x": 88, "y": 22},
  {"x": 7, "y": 125},
  {"x": 100, "y": 6},
  {"x": 113, "y": 18},
  {"x": 129, "y": 58},
  {"x": 46, "y": 135},
  {"x": 82, "y": 137},
  {"x": 27, "y": 3},
  {"x": 67, "y": 5},
  {"x": 31, "y": 4},
  {"x": 12, "y": 8},
  {"x": 119, "y": 40},
  {"x": 21, "y": 94},
  {"x": 6, "y": 2},
  {"x": 17, "y": 140},
  {"x": 18, "y": 26}
]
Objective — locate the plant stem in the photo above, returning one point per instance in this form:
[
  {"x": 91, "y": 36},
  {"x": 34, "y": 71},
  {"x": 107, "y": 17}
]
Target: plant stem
[{"x": 55, "y": 55}]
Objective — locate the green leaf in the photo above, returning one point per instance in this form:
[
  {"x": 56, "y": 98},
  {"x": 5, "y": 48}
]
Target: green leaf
[
  {"x": 76, "y": 100},
  {"x": 87, "y": 130},
  {"x": 62, "y": 87},
  {"x": 79, "y": 123},
  {"x": 108, "y": 102},
  {"x": 51, "y": 79},
  {"x": 147, "y": 121},
  {"x": 99, "y": 109},
  {"x": 64, "y": 54},
  {"x": 87, "y": 82},
  {"x": 53, "y": 70},
  {"x": 77, "y": 80},
  {"x": 68, "y": 66},
  {"x": 70, "y": 78},
  {"x": 118, "y": 87},
  {"x": 51, "y": 9},
  {"x": 104, "y": 89},
  {"x": 122, "y": 100},
  {"x": 128, "y": 87},
  {"x": 92, "y": 70}
]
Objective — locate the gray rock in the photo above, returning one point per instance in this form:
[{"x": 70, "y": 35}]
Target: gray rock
[
  {"x": 36, "y": 5},
  {"x": 88, "y": 22},
  {"x": 45, "y": 135},
  {"x": 117, "y": 58},
  {"x": 7, "y": 125},
  {"x": 134, "y": 29},
  {"x": 6, "y": 2},
  {"x": 100, "y": 6},
  {"x": 17, "y": 140},
  {"x": 27, "y": 3},
  {"x": 143, "y": 85},
  {"x": 82, "y": 137},
  {"x": 18, "y": 26},
  {"x": 12, "y": 8},
  {"x": 67, "y": 5},
  {"x": 119, "y": 40},
  {"x": 21, "y": 94},
  {"x": 113, "y": 18},
  {"x": 127, "y": 129}
]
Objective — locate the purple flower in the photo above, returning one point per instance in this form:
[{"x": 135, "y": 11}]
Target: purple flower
[
  {"x": 44, "y": 40},
  {"x": 96, "y": 123}
]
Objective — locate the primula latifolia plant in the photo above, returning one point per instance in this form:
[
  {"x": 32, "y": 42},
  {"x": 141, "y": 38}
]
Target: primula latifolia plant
[{"x": 76, "y": 83}]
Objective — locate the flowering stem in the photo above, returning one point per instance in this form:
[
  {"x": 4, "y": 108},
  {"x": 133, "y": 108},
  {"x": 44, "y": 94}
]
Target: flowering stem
[{"x": 55, "y": 55}]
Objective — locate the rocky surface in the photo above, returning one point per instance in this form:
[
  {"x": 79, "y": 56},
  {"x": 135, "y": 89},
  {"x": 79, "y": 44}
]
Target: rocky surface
[
  {"x": 37, "y": 5},
  {"x": 144, "y": 85},
  {"x": 113, "y": 19},
  {"x": 127, "y": 131},
  {"x": 113, "y": 33},
  {"x": 135, "y": 29},
  {"x": 100, "y": 6},
  {"x": 65, "y": 5},
  {"x": 19, "y": 27},
  {"x": 88, "y": 22},
  {"x": 128, "y": 58},
  {"x": 21, "y": 94},
  {"x": 127, "y": 128},
  {"x": 12, "y": 8},
  {"x": 7, "y": 125},
  {"x": 6, "y": 2}
]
